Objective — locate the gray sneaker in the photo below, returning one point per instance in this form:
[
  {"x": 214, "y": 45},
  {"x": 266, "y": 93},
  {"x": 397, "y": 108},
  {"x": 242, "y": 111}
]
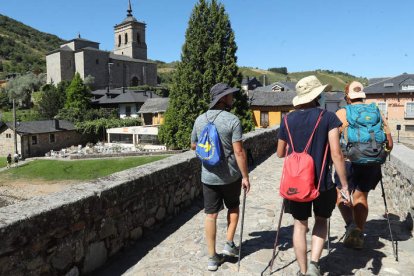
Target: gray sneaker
[
  {"x": 214, "y": 262},
  {"x": 230, "y": 249},
  {"x": 313, "y": 269}
]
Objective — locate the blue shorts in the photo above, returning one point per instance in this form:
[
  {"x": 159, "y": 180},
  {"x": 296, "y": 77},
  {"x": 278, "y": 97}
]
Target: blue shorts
[{"x": 361, "y": 178}]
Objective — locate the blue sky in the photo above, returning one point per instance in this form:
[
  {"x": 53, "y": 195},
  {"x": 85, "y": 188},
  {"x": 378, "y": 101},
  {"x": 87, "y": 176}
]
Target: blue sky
[{"x": 369, "y": 38}]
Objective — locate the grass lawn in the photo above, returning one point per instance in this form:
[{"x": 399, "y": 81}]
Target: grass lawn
[
  {"x": 55, "y": 170},
  {"x": 3, "y": 162}
]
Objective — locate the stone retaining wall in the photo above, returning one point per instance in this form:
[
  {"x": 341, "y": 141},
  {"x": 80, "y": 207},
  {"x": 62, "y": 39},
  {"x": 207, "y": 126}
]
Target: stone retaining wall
[
  {"x": 75, "y": 231},
  {"x": 398, "y": 182}
]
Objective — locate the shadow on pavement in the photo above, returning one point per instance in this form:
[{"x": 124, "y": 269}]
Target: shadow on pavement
[
  {"x": 343, "y": 261},
  {"x": 128, "y": 257}
]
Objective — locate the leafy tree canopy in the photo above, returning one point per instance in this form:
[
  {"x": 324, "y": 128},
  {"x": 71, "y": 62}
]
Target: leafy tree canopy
[{"x": 208, "y": 57}]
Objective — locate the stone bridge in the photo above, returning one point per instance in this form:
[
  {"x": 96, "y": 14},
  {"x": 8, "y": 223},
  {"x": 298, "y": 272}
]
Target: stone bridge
[{"x": 149, "y": 221}]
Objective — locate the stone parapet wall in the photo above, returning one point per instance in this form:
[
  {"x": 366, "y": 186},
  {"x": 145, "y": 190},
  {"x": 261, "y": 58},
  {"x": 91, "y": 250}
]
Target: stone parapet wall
[
  {"x": 77, "y": 230},
  {"x": 398, "y": 179}
]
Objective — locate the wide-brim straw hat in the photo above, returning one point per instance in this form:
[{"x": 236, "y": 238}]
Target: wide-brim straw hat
[
  {"x": 220, "y": 90},
  {"x": 356, "y": 91},
  {"x": 308, "y": 89}
]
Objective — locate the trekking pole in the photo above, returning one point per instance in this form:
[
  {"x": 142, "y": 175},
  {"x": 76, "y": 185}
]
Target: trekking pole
[
  {"x": 388, "y": 220},
  {"x": 241, "y": 229},
  {"x": 277, "y": 236},
  {"x": 329, "y": 235}
]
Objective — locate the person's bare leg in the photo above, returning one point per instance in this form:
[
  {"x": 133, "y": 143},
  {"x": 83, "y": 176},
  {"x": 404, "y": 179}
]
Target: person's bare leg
[
  {"x": 232, "y": 220},
  {"x": 346, "y": 211},
  {"x": 210, "y": 228},
  {"x": 360, "y": 208},
  {"x": 299, "y": 243},
  {"x": 319, "y": 233}
]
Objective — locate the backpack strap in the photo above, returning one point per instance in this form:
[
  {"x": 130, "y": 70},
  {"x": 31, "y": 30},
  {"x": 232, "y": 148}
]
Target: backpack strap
[
  {"x": 215, "y": 117},
  {"x": 323, "y": 166},
  {"x": 313, "y": 132},
  {"x": 290, "y": 136}
]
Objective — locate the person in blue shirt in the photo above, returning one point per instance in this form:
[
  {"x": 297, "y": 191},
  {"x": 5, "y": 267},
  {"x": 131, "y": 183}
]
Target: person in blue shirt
[{"x": 301, "y": 124}]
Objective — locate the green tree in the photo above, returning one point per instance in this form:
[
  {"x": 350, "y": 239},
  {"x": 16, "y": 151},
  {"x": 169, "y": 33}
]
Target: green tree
[
  {"x": 208, "y": 57},
  {"x": 78, "y": 94},
  {"x": 21, "y": 87},
  {"x": 51, "y": 101}
]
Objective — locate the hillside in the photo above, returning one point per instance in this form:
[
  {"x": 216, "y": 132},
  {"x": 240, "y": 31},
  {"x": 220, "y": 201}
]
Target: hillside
[
  {"x": 338, "y": 80},
  {"x": 23, "y": 48}
]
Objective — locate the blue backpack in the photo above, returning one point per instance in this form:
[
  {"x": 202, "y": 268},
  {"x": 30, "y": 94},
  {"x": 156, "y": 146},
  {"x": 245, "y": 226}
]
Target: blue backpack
[
  {"x": 365, "y": 134},
  {"x": 208, "y": 148}
]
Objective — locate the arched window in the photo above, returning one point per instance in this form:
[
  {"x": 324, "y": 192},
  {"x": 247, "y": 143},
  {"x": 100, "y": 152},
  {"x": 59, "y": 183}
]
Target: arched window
[
  {"x": 138, "y": 39},
  {"x": 119, "y": 40},
  {"x": 134, "y": 81},
  {"x": 126, "y": 38}
]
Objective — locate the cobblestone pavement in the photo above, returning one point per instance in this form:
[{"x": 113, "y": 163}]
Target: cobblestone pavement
[{"x": 179, "y": 247}]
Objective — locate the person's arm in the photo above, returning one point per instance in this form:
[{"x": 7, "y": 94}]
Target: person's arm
[
  {"x": 389, "y": 145},
  {"x": 193, "y": 138},
  {"x": 338, "y": 160},
  {"x": 281, "y": 148},
  {"x": 241, "y": 160}
]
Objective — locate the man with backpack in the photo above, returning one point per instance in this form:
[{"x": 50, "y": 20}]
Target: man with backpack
[
  {"x": 365, "y": 139},
  {"x": 312, "y": 131},
  {"x": 217, "y": 139}
]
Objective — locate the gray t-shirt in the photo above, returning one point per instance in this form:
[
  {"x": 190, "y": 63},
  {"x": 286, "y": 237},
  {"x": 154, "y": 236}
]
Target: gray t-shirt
[{"x": 230, "y": 131}]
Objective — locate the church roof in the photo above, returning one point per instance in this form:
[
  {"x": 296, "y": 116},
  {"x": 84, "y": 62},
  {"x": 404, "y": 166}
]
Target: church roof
[
  {"x": 61, "y": 49},
  {"x": 81, "y": 39},
  {"x": 125, "y": 58}
]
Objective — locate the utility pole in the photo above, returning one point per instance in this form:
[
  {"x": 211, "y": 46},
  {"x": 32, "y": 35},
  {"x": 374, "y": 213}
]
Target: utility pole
[{"x": 15, "y": 126}]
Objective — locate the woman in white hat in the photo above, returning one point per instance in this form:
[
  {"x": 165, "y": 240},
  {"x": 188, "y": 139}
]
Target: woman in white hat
[
  {"x": 301, "y": 123},
  {"x": 361, "y": 180}
]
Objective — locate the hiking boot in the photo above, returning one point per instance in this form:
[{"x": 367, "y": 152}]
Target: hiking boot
[
  {"x": 300, "y": 274},
  {"x": 353, "y": 238},
  {"x": 230, "y": 249},
  {"x": 313, "y": 269},
  {"x": 349, "y": 240},
  {"x": 214, "y": 262},
  {"x": 359, "y": 241}
]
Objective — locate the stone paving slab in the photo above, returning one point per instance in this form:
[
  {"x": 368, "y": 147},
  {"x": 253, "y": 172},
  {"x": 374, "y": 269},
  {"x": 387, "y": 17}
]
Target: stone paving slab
[{"x": 179, "y": 247}]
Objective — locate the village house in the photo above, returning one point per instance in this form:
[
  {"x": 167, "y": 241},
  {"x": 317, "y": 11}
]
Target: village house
[
  {"x": 152, "y": 116},
  {"x": 250, "y": 84},
  {"x": 269, "y": 107},
  {"x": 36, "y": 138},
  {"x": 153, "y": 110},
  {"x": 127, "y": 102},
  {"x": 395, "y": 98}
]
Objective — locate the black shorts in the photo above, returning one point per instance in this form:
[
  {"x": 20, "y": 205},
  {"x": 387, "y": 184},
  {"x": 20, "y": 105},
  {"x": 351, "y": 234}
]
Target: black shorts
[
  {"x": 215, "y": 195},
  {"x": 322, "y": 206},
  {"x": 360, "y": 177}
]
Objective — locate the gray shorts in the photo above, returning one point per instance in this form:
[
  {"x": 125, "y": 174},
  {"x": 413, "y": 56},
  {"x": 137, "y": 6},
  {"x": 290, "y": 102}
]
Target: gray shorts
[{"x": 216, "y": 195}]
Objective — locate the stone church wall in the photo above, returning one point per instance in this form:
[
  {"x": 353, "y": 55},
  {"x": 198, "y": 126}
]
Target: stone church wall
[
  {"x": 77, "y": 230},
  {"x": 96, "y": 65}
]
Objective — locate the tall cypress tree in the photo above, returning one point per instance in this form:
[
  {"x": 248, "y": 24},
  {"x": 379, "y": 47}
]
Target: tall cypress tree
[{"x": 208, "y": 57}]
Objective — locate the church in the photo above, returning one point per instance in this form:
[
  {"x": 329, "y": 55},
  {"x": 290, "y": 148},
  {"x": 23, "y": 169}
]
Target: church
[{"x": 127, "y": 65}]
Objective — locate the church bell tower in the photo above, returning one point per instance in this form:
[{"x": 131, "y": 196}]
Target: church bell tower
[{"x": 130, "y": 37}]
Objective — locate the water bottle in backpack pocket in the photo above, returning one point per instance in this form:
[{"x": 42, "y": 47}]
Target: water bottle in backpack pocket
[{"x": 365, "y": 134}]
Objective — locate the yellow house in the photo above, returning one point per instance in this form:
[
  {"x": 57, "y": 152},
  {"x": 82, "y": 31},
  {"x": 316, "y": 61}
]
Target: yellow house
[
  {"x": 153, "y": 110},
  {"x": 269, "y": 107}
]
